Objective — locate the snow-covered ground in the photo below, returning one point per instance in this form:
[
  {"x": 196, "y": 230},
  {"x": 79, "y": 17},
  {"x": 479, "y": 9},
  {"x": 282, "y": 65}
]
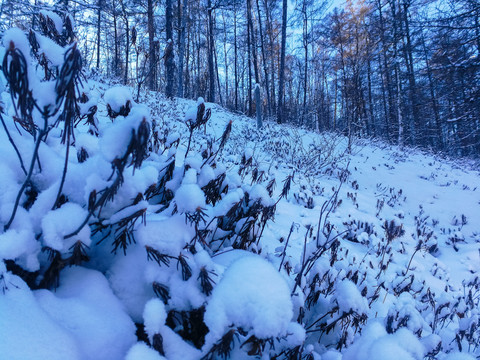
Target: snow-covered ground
[{"x": 225, "y": 241}]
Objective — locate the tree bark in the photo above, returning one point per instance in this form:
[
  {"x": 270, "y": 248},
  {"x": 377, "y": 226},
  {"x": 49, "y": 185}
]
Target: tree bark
[
  {"x": 169, "y": 56},
  {"x": 235, "y": 51},
  {"x": 151, "y": 47},
  {"x": 127, "y": 42},
  {"x": 211, "y": 44},
  {"x": 264, "y": 60},
  {"x": 99, "y": 19},
  {"x": 280, "y": 110}
]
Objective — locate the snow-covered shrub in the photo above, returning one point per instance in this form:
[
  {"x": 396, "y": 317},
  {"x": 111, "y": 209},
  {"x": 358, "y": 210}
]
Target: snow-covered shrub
[
  {"x": 147, "y": 232},
  {"x": 147, "y": 213}
]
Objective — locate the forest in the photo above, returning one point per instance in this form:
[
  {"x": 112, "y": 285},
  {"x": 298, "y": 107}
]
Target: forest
[
  {"x": 203, "y": 180},
  {"x": 405, "y": 71}
]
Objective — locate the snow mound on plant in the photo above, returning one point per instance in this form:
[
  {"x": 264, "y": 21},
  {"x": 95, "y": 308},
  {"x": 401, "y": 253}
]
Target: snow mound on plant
[
  {"x": 27, "y": 331},
  {"x": 376, "y": 344},
  {"x": 85, "y": 306},
  {"x": 458, "y": 356},
  {"x": 117, "y": 97},
  {"x": 155, "y": 316},
  {"x": 251, "y": 295},
  {"x": 141, "y": 351},
  {"x": 56, "y": 224},
  {"x": 349, "y": 298},
  {"x": 117, "y": 136},
  {"x": 189, "y": 197}
]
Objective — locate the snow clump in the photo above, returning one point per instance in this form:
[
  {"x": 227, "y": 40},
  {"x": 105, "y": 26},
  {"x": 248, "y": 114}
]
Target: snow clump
[{"x": 251, "y": 295}]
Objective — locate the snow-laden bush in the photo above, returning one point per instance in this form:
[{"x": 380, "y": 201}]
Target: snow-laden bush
[
  {"x": 127, "y": 234},
  {"x": 86, "y": 185}
]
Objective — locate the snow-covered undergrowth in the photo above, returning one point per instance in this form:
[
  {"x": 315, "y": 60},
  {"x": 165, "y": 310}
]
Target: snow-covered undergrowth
[{"x": 172, "y": 229}]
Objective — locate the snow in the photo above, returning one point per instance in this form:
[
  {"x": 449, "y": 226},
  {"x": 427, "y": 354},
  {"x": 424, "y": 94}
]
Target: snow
[
  {"x": 117, "y": 97},
  {"x": 56, "y": 224},
  {"x": 458, "y": 356},
  {"x": 117, "y": 137},
  {"x": 126, "y": 277},
  {"x": 259, "y": 193},
  {"x": 167, "y": 235},
  {"x": 20, "y": 41},
  {"x": 349, "y": 298},
  {"x": 57, "y": 20},
  {"x": 191, "y": 114},
  {"x": 189, "y": 197},
  {"x": 141, "y": 351},
  {"x": 376, "y": 344},
  {"x": 394, "y": 299},
  {"x": 52, "y": 50},
  {"x": 206, "y": 175},
  {"x": 154, "y": 317},
  {"x": 177, "y": 349},
  {"x": 244, "y": 299},
  {"x": 28, "y": 332},
  {"x": 14, "y": 244},
  {"x": 85, "y": 307}
]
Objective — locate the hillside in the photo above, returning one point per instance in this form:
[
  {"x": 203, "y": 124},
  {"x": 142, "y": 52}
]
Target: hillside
[{"x": 175, "y": 229}]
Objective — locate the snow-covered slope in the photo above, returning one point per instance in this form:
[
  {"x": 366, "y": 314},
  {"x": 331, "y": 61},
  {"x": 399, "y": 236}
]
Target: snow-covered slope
[{"x": 181, "y": 231}]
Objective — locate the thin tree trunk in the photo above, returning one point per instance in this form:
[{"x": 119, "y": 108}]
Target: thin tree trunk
[
  {"x": 127, "y": 43},
  {"x": 211, "y": 44},
  {"x": 271, "y": 54},
  {"x": 182, "y": 10},
  {"x": 305, "y": 46},
  {"x": 388, "y": 85},
  {"x": 217, "y": 75},
  {"x": 264, "y": 60},
  {"x": 169, "y": 56},
  {"x": 411, "y": 78},
  {"x": 116, "y": 59},
  {"x": 235, "y": 51},
  {"x": 225, "y": 54},
  {"x": 151, "y": 47},
  {"x": 99, "y": 19},
  {"x": 370, "y": 97},
  {"x": 249, "y": 59},
  {"x": 400, "y": 138},
  {"x": 433, "y": 98},
  {"x": 280, "y": 115}
]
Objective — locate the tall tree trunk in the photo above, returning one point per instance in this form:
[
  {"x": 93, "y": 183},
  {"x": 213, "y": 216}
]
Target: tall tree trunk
[
  {"x": 388, "y": 85},
  {"x": 151, "y": 47},
  {"x": 169, "y": 56},
  {"x": 182, "y": 23},
  {"x": 400, "y": 123},
  {"x": 280, "y": 115},
  {"x": 264, "y": 60},
  {"x": 116, "y": 56},
  {"x": 127, "y": 42},
  {"x": 187, "y": 87},
  {"x": 249, "y": 59},
  {"x": 258, "y": 106},
  {"x": 235, "y": 51},
  {"x": 271, "y": 53},
  {"x": 99, "y": 21},
  {"x": 225, "y": 54},
  {"x": 217, "y": 76},
  {"x": 411, "y": 78},
  {"x": 305, "y": 47},
  {"x": 253, "y": 42},
  {"x": 370, "y": 97},
  {"x": 211, "y": 44},
  {"x": 433, "y": 98}
]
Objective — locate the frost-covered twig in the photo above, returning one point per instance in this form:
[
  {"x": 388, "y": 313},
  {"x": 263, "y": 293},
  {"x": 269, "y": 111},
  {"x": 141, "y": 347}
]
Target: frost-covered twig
[
  {"x": 41, "y": 134},
  {"x": 13, "y": 144}
]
